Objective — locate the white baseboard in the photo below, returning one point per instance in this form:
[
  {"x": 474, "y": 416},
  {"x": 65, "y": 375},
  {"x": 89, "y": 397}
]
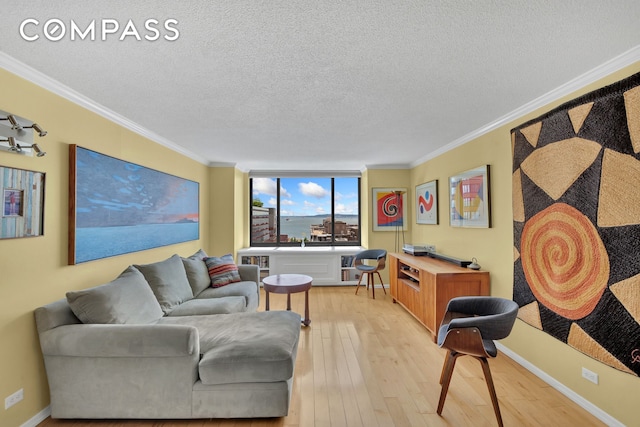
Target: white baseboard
[
  {"x": 576, "y": 398},
  {"x": 38, "y": 418}
]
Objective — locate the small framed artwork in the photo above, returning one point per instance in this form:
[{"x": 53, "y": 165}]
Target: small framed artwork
[
  {"x": 469, "y": 198},
  {"x": 427, "y": 203},
  {"x": 12, "y": 202},
  {"x": 389, "y": 213},
  {"x": 22, "y": 203}
]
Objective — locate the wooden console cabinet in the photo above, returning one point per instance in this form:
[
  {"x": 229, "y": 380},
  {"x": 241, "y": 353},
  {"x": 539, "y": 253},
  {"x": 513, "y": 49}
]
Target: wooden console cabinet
[{"x": 424, "y": 286}]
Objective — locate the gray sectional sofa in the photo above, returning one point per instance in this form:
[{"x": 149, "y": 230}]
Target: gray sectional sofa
[{"x": 159, "y": 342}]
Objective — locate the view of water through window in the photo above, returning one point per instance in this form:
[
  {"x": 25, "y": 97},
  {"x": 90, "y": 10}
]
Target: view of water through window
[{"x": 306, "y": 207}]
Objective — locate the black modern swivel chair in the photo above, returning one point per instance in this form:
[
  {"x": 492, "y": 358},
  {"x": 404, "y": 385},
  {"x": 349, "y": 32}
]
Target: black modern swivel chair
[
  {"x": 469, "y": 326},
  {"x": 377, "y": 255}
]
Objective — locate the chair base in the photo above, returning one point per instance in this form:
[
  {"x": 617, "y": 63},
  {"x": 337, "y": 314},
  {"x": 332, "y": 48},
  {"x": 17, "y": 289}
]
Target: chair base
[
  {"x": 371, "y": 280},
  {"x": 445, "y": 380}
]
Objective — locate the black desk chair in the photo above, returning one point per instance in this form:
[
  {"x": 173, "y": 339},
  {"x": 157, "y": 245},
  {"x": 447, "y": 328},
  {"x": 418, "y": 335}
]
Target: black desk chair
[
  {"x": 378, "y": 255},
  {"x": 469, "y": 327}
]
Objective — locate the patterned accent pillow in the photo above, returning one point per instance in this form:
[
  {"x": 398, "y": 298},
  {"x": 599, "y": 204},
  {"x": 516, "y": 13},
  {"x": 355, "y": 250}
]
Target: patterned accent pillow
[{"x": 222, "y": 270}]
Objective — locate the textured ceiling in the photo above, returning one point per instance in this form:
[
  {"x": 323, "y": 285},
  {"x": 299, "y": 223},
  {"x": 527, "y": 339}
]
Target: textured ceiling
[{"x": 321, "y": 84}]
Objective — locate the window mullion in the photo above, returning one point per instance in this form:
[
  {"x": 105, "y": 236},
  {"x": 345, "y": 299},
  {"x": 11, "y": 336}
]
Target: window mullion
[
  {"x": 333, "y": 211},
  {"x": 278, "y": 229}
]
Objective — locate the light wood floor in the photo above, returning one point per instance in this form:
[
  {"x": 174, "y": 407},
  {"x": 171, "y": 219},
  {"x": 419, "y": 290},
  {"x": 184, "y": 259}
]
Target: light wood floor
[{"x": 365, "y": 362}]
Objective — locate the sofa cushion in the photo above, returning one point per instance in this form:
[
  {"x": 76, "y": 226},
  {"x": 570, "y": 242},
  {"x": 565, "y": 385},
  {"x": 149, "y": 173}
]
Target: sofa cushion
[
  {"x": 245, "y": 289},
  {"x": 197, "y": 273},
  {"x": 245, "y": 347},
  {"x": 222, "y": 270},
  {"x": 127, "y": 299},
  {"x": 222, "y": 305},
  {"x": 168, "y": 281}
]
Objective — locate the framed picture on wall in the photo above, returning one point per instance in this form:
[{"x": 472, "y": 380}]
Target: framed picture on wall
[
  {"x": 469, "y": 198},
  {"x": 427, "y": 203},
  {"x": 12, "y": 202},
  {"x": 389, "y": 213},
  {"x": 22, "y": 194},
  {"x": 118, "y": 207}
]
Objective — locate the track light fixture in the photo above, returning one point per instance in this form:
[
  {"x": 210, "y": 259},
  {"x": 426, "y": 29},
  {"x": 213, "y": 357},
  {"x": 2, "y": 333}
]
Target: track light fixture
[
  {"x": 12, "y": 144},
  {"x": 37, "y": 128},
  {"x": 37, "y": 150},
  {"x": 14, "y": 147},
  {"x": 14, "y": 136},
  {"x": 14, "y": 123}
]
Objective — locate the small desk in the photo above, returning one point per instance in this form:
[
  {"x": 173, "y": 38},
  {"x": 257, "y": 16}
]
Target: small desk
[{"x": 289, "y": 284}]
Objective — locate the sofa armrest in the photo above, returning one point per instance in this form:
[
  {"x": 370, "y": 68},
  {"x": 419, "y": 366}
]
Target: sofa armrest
[
  {"x": 249, "y": 272},
  {"x": 86, "y": 340},
  {"x": 121, "y": 371}
]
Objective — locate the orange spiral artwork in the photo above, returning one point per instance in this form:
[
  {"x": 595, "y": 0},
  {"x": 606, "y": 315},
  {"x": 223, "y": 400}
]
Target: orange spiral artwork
[{"x": 564, "y": 261}]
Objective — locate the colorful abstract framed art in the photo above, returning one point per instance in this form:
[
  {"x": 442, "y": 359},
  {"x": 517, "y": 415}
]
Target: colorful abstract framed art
[
  {"x": 118, "y": 207},
  {"x": 469, "y": 198},
  {"x": 22, "y": 193},
  {"x": 389, "y": 213},
  {"x": 427, "y": 203}
]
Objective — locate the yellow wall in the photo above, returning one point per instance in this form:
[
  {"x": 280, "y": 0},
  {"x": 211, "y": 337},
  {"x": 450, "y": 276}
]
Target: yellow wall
[
  {"x": 617, "y": 393},
  {"x": 34, "y": 271},
  {"x": 241, "y": 203},
  {"x": 223, "y": 180}
]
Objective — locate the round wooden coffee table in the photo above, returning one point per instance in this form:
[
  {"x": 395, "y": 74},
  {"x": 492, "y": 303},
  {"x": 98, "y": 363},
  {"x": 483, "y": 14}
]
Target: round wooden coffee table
[{"x": 289, "y": 284}]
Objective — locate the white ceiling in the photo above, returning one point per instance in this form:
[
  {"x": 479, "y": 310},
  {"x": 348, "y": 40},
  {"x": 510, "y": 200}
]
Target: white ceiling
[{"x": 320, "y": 84}]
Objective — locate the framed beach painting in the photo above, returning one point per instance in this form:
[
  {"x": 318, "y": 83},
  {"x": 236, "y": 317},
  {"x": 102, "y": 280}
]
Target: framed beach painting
[
  {"x": 22, "y": 193},
  {"x": 117, "y": 207},
  {"x": 389, "y": 213},
  {"x": 427, "y": 203},
  {"x": 469, "y": 198}
]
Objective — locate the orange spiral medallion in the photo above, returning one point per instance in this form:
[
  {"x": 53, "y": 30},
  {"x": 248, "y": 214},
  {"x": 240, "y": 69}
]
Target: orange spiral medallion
[{"x": 564, "y": 261}]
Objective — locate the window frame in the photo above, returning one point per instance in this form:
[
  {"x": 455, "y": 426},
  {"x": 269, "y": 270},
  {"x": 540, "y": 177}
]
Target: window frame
[{"x": 279, "y": 243}]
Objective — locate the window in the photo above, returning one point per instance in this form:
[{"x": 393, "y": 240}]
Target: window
[{"x": 319, "y": 210}]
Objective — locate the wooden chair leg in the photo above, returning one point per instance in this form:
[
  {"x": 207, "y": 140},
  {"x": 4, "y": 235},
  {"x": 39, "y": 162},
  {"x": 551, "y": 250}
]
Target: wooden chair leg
[
  {"x": 358, "y": 285},
  {"x": 492, "y": 391},
  {"x": 446, "y": 365},
  {"x": 447, "y": 378},
  {"x": 371, "y": 280},
  {"x": 381, "y": 282}
]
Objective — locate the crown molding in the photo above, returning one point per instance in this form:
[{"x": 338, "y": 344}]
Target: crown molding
[
  {"x": 34, "y": 76},
  {"x": 388, "y": 166},
  {"x": 625, "y": 59},
  {"x": 223, "y": 165}
]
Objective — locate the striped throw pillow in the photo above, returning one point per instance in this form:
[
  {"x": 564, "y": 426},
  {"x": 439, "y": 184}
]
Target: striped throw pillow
[{"x": 222, "y": 270}]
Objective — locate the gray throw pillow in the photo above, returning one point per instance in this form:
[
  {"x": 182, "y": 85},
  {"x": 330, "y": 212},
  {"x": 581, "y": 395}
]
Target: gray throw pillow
[
  {"x": 168, "y": 281},
  {"x": 127, "y": 299},
  {"x": 197, "y": 272}
]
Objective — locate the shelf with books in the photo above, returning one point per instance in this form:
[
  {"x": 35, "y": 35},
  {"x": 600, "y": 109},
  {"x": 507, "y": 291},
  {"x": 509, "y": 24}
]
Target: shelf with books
[
  {"x": 261, "y": 261},
  {"x": 348, "y": 273}
]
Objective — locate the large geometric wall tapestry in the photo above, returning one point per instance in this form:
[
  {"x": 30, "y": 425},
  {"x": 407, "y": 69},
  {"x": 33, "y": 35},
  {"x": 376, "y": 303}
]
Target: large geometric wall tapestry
[{"x": 576, "y": 223}]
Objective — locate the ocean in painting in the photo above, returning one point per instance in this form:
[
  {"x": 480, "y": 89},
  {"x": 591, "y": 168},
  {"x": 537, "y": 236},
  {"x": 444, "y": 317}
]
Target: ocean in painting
[
  {"x": 121, "y": 207},
  {"x": 100, "y": 242}
]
